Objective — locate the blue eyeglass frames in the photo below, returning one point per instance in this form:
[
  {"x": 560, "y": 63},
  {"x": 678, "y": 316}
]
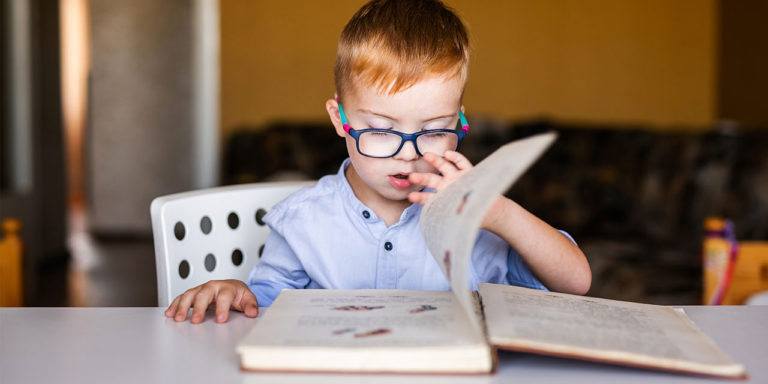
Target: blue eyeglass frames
[{"x": 384, "y": 143}]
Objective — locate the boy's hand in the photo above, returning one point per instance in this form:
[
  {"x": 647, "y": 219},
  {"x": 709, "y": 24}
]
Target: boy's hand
[
  {"x": 451, "y": 166},
  {"x": 226, "y": 293}
]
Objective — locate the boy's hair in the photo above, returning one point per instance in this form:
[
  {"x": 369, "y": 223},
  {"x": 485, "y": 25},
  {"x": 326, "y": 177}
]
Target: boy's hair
[{"x": 393, "y": 44}]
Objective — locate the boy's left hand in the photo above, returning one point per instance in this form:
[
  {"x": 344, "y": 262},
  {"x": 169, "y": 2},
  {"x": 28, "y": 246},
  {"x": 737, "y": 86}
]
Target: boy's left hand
[{"x": 451, "y": 166}]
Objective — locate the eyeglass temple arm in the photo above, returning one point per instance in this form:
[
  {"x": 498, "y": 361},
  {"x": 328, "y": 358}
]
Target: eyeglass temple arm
[
  {"x": 464, "y": 124},
  {"x": 344, "y": 121}
]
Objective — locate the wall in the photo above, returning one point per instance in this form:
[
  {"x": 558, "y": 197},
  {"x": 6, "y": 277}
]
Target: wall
[
  {"x": 140, "y": 135},
  {"x": 743, "y": 83},
  {"x": 604, "y": 61},
  {"x": 647, "y": 62}
]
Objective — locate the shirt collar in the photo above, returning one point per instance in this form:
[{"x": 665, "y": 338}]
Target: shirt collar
[
  {"x": 357, "y": 207},
  {"x": 348, "y": 195}
]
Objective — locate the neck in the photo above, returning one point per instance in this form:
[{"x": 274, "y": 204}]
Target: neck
[{"x": 386, "y": 209}]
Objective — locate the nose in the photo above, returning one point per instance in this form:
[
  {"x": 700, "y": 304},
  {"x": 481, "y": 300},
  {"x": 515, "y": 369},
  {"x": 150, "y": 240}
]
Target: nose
[{"x": 408, "y": 151}]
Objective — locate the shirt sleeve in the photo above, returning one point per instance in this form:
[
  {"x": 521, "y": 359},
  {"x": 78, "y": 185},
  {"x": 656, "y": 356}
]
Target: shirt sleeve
[
  {"x": 518, "y": 272},
  {"x": 278, "y": 269},
  {"x": 489, "y": 259}
]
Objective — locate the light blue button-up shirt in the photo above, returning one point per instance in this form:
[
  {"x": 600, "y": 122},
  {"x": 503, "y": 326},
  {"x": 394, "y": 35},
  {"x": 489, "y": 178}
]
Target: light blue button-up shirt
[{"x": 324, "y": 237}]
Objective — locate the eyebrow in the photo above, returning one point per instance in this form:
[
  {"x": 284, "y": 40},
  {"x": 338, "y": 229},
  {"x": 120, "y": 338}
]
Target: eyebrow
[{"x": 362, "y": 110}]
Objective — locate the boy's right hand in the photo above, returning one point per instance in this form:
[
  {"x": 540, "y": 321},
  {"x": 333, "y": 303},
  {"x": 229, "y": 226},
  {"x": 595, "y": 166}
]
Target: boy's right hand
[{"x": 226, "y": 293}]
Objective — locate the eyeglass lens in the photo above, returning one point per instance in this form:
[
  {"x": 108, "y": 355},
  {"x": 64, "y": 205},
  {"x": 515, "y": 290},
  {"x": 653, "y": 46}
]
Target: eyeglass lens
[{"x": 383, "y": 144}]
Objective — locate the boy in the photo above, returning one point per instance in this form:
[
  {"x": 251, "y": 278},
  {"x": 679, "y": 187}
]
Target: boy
[{"x": 400, "y": 72}]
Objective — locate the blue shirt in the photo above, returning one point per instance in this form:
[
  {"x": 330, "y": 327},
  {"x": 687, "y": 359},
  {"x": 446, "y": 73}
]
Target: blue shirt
[{"x": 324, "y": 237}]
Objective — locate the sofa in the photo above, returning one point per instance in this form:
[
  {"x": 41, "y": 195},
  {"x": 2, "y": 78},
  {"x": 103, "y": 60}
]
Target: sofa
[{"x": 633, "y": 197}]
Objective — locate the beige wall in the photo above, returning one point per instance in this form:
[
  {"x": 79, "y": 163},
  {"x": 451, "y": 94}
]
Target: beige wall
[{"x": 626, "y": 62}]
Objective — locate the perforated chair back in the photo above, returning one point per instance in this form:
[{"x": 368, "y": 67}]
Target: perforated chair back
[{"x": 211, "y": 234}]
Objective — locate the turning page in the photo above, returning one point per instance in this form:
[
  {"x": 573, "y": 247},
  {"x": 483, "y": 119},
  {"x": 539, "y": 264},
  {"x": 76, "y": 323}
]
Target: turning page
[
  {"x": 600, "y": 329},
  {"x": 451, "y": 219}
]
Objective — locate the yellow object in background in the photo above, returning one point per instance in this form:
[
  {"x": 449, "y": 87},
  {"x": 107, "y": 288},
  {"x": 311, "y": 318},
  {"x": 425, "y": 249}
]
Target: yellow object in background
[
  {"x": 750, "y": 274},
  {"x": 732, "y": 272},
  {"x": 717, "y": 250},
  {"x": 10, "y": 265}
]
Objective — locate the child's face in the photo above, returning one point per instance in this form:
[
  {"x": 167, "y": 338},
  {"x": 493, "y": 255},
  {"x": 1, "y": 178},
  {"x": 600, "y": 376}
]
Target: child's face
[{"x": 432, "y": 103}]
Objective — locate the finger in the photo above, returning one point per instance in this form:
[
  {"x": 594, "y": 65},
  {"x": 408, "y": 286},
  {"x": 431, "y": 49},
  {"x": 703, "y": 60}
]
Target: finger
[
  {"x": 184, "y": 303},
  {"x": 245, "y": 300},
  {"x": 223, "y": 303},
  {"x": 202, "y": 300},
  {"x": 420, "y": 197},
  {"x": 249, "y": 304},
  {"x": 430, "y": 180},
  {"x": 445, "y": 167},
  {"x": 461, "y": 162},
  {"x": 431, "y": 158},
  {"x": 171, "y": 310}
]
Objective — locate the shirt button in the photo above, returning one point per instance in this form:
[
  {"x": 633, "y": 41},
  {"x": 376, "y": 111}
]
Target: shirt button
[
  {"x": 366, "y": 214},
  {"x": 388, "y": 246}
]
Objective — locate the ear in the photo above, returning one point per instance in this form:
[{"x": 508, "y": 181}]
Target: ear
[{"x": 332, "y": 106}]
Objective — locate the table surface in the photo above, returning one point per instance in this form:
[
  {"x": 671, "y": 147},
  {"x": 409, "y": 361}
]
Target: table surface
[{"x": 127, "y": 345}]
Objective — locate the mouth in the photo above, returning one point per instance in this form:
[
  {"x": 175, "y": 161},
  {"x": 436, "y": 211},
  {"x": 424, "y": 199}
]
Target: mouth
[{"x": 400, "y": 181}]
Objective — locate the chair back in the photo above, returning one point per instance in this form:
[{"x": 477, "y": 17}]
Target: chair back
[{"x": 211, "y": 234}]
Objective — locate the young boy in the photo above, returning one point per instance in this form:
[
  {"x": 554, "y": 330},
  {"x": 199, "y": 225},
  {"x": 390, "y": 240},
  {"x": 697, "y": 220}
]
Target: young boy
[{"x": 400, "y": 72}]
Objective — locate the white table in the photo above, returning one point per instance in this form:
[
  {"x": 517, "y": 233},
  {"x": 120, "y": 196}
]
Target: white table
[{"x": 139, "y": 345}]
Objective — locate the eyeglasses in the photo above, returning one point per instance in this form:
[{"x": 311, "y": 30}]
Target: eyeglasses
[{"x": 383, "y": 143}]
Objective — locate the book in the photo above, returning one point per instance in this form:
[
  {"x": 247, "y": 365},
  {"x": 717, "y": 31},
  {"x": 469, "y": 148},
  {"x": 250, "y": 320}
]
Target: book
[{"x": 460, "y": 331}]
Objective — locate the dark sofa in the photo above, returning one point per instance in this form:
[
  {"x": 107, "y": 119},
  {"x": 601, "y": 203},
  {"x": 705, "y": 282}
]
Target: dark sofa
[{"x": 633, "y": 198}]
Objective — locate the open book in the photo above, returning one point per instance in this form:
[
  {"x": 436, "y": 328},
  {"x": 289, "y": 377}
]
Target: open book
[{"x": 459, "y": 331}]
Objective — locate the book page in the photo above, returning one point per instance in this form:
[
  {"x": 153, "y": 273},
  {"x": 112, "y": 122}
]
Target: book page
[
  {"x": 451, "y": 219},
  {"x": 609, "y": 330},
  {"x": 363, "y": 318}
]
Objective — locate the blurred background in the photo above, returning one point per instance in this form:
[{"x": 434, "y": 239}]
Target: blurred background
[{"x": 661, "y": 106}]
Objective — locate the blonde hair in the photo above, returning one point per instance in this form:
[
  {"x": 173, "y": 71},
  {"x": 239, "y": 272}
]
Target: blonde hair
[{"x": 393, "y": 44}]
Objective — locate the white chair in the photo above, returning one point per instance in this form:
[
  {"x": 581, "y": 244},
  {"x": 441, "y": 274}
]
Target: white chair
[{"x": 211, "y": 234}]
